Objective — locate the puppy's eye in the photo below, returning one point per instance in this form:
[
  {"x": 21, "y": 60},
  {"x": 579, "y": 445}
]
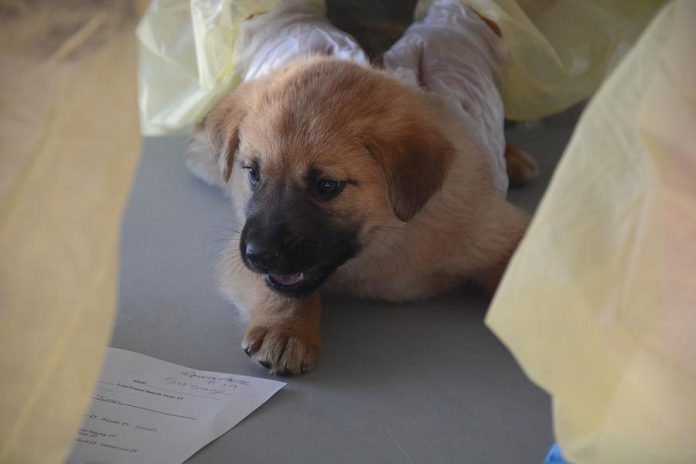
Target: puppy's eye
[
  {"x": 253, "y": 175},
  {"x": 327, "y": 189}
]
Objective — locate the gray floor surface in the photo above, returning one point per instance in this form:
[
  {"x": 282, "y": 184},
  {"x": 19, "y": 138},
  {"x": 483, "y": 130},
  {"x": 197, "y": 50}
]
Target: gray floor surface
[{"x": 409, "y": 383}]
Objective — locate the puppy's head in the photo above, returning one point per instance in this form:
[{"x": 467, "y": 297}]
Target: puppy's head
[{"x": 320, "y": 154}]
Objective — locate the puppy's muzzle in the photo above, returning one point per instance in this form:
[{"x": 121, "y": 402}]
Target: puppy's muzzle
[
  {"x": 295, "y": 259},
  {"x": 271, "y": 248},
  {"x": 261, "y": 258}
]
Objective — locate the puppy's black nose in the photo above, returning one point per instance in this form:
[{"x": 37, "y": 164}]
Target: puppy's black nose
[{"x": 262, "y": 258}]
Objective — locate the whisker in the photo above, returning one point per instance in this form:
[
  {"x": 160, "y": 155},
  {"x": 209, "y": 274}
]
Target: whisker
[
  {"x": 212, "y": 243},
  {"x": 226, "y": 228}
]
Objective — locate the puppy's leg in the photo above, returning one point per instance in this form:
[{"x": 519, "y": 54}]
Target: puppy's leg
[
  {"x": 505, "y": 225},
  {"x": 283, "y": 333},
  {"x": 491, "y": 237},
  {"x": 521, "y": 167}
]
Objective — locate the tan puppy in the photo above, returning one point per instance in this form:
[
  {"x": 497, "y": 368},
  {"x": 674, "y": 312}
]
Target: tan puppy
[{"x": 345, "y": 175}]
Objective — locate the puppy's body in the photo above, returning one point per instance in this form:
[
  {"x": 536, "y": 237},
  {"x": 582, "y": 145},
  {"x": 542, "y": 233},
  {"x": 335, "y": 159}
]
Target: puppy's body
[
  {"x": 465, "y": 232},
  {"x": 418, "y": 214}
]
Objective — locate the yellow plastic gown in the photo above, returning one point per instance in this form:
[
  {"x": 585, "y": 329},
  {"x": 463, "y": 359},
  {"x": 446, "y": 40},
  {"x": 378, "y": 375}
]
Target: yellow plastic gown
[
  {"x": 599, "y": 303},
  {"x": 68, "y": 150},
  {"x": 560, "y": 50},
  {"x": 69, "y": 142}
]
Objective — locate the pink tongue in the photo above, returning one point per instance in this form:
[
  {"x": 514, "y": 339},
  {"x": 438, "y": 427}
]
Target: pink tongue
[{"x": 287, "y": 279}]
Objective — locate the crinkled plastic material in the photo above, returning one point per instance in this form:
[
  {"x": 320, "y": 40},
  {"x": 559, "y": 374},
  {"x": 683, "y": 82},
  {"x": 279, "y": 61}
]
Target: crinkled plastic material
[
  {"x": 453, "y": 53},
  {"x": 192, "y": 54},
  {"x": 185, "y": 58},
  {"x": 599, "y": 302},
  {"x": 70, "y": 144},
  {"x": 560, "y": 50},
  {"x": 293, "y": 29}
]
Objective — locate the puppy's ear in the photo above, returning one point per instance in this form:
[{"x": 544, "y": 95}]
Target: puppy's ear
[
  {"x": 222, "y": 124},
  {"x": 415, "y": 160}
]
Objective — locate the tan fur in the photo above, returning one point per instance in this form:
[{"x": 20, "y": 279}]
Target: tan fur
[
  {"x": 521, "y": 167},
  {"x": 430, "y": 217}
]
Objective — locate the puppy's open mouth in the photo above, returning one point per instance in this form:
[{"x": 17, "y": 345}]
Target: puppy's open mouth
[
  {"x": 287, "y": 280},
  {"x": 297, "y": 283},
  {"x": 297, "y": 275}
]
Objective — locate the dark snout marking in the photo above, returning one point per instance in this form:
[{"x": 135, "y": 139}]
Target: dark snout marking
[
  {"x": 289, "y": 231},
  {"x": 262, "y": 256}
]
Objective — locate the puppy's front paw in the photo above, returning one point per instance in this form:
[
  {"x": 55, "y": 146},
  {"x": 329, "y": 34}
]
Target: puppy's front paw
[{"x": 283, "y": 349}]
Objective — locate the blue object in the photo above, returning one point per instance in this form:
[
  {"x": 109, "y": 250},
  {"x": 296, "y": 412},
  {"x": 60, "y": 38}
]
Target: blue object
[{"x": 555, "y": 456}]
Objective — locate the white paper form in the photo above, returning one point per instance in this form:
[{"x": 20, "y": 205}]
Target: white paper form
[{"x": 149, "y": 411}]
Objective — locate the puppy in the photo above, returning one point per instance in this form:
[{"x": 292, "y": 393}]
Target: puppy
[{"x": 344, "y": 175}]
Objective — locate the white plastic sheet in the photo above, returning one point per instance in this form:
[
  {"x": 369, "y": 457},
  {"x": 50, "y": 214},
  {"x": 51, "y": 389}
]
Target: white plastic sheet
[
  {"x": 560, "y": 51},
  {"x": 454, "y": 53},
  {"x": 294, "y": 29}
]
